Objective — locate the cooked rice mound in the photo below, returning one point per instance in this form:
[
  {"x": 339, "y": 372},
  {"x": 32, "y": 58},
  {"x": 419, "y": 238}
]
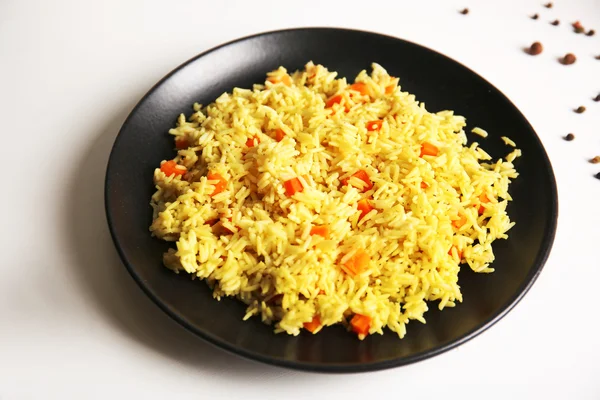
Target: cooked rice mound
[{"x": 317, "y": 202}]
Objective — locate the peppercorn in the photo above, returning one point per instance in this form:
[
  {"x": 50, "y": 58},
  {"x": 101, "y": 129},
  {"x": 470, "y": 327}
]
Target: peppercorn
[
  {"x": 534, "y": 16},
  {"x": 568, "y": 59},
  {"x": 569, "y": 137},
  {"x": 591, "y": 32},
  {"x": 580, "y": 110},
  {"x": 465, "y": 11},
  {"x": 555, "y": 22},
  {"x": 548, "y": 5},
  {"x": 536, "y": 48}
]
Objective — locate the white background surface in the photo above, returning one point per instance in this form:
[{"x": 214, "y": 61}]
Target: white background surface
[{"x": 73, "y": 324}]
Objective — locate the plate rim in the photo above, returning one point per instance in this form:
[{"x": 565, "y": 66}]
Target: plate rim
[{"x": 537, "y": 266}]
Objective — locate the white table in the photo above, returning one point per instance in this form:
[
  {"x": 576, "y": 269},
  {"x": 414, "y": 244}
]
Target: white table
[{"x": 74, "y": 325}]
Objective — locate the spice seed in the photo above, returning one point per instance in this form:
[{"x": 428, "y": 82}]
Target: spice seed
[
  {"x": 597, "y": 98},
  {"x": 465, "y": 11},
  {"x": 568, "y": 59},
  {"x": 555, "y": 22},
  {"x": 569, "y": 137},
  {"x": 579, "y": 29},
  {"x": 536, "y": 48},
  {"x": 591, "y": 32},
  {"x": 534, "y": 16},
  {"x": 580, "y": 110},
  {"x": 597, "y": 175},
  {"x": 595, "y": 160},
  {"x": 548, "y": 5}
]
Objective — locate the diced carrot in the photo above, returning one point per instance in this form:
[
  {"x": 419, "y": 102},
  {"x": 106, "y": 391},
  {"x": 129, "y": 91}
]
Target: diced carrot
[
  {"x": 293, "y": 186},
  {"x": 424, "y": 185},
  {"x": 221, "y": 182},
  {"x": 321, "y": 230},
  {"x": 458, "y": 252},
  {"x": 363, "y": 176},
  {"x": 313, "y": 325},
  {"x": 364, "y": 207},
  {"x": 374, "y": 125},
  {"x": 254, "y": 139},
  {"x": 172, "y": 168},
  {"x": 458, "y": 223},
  {"x": 285, "y": 79},
  {"x": 389, "y": 89},
  {"x": 279, "y": 135},
  {"x": 361, "y": 87},
  {"x": 334, "y": 100},
  {"x": 483, "y": 199},
  {"x": 357, "y": 263},
  {"x": 181, "y": 143},
  {"x": 361, "y": 325},
  {"x": 428, "y": 149}
]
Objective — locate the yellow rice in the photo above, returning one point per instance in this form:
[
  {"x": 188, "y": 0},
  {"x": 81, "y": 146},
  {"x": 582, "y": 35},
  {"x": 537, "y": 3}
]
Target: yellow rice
[
  {"x": 508, "y": 141},
  {"x": 270, "y": 261},
  {"x": 480, "y": 132}
]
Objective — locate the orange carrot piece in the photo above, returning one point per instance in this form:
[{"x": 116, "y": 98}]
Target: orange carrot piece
[
  {"x": 285, "y": 79},
  {"x": 483, "y": 199},
  {"x": 221, "y": 182},
  {"x": 458, "y": 252},
  {"x": 390, "y": 89},
  {"x": 458, "y": 223},
  {"x": 313, "y": 325},
  {"x": 334, "y": 100},
  {"x": 361, "y": 87},
  {"x": 358, "y": 262},
  {"x": 172, "y": 168},
  {"x": 374, "y": 125},
  {"x": 279, "y": 135},
  {"x": 321, "y": 230},
  {"x": 361, "y": 324},
  {"x": 424, "y": 185},
  {"x": 293, "y": 186},
  {"x": 363, "y": 176},
  {"x": 428, "y": 149},
  {"x": 364, "y": 207},
  {"x": 181, "y": 143},
  {"x": 250, "y": 142}
]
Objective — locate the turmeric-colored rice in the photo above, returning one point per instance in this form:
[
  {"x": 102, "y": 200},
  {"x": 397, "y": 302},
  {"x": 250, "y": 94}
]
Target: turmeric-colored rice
[{"x": 395, "y": 199}]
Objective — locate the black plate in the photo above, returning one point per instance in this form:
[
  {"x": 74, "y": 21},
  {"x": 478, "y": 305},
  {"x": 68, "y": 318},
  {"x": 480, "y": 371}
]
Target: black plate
[{"x": 435, "y": 79}]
